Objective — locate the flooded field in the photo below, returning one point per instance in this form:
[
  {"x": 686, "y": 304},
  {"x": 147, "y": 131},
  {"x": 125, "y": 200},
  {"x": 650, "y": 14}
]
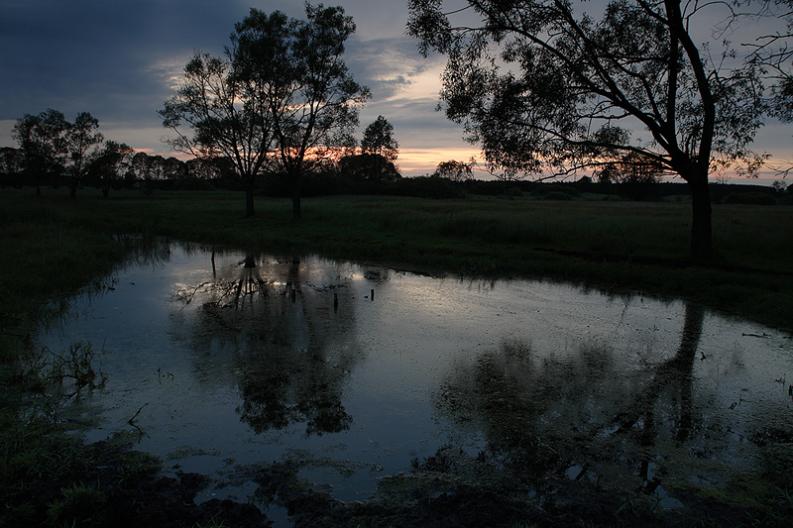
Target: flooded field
[{"x": 279, "y": 376}]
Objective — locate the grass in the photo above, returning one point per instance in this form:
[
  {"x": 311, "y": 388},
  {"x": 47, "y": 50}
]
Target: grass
[{"x": 617, "y": 246}]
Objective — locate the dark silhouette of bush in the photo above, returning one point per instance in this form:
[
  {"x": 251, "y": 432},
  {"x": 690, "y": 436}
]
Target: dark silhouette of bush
[{"x": 368, "y": 168}]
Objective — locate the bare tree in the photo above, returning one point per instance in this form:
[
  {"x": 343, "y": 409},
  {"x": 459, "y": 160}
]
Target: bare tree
[{"x": 543, "y": 87}]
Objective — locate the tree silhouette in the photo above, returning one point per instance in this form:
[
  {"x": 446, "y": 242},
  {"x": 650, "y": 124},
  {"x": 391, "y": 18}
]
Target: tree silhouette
[
  {"x": 543, "y": 87},
  {"x": 82, "y": 140},
  {"x": 368, "y": 168},
  {"x": 378, "y": 139},
  {"x": 312, "y": 98},
  {"x": 227, "y": 113},
  {"x": 108, "y": 164},
  {"x": 454, "y": 170},
  {"x": 41, "y": 140}
]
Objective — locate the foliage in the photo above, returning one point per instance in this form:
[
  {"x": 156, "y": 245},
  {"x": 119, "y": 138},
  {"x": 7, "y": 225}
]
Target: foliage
[
  {"x": 368, "y": 168},
  {"x": 40, "y": 139},
  {"x": 572, "y": 87},
  {"x": 630, "y": 169},
  {"x": 312, "y": 97},
  {"x": 545, "y": 87},
  {"x": 378, "y": 138},
  {"x": 773, "y": 52},
  {"x": 110, "y": 163},
  {"x": 228, "y": 114},
  {"x": 456, "y": 171},
  {"x": 50, "y": 144},
  {"x": 82, "y": 145}
]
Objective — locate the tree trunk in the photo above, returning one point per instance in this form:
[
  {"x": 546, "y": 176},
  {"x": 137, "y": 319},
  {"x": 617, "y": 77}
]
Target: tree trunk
[
  {"x": 105, "y": 191},
  {"x": 701, "y": 229},
  {"x": 249, "y": 211},
  {"x": 296, "y": 210},
  {"x": 73, "y": 189}
]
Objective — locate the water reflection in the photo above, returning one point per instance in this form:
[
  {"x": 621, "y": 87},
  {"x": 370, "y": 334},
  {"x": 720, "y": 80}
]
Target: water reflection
[
  {"x": 290, "y": 355},
  {"x": 673, "y": 379},
  {"x": 248, "y": 357},
  {"x": 546, "y": 413}
]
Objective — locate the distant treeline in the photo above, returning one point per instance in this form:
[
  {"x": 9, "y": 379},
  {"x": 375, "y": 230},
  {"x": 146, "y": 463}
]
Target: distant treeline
[{"x": 358, "y": 174}]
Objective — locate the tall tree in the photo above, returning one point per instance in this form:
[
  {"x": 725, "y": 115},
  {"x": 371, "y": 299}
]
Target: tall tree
[
  {"x": 312, "y": 97},
  {"x": 378, "y": 138},
  {"x": 41, "y": 140},
  {"x": 82, "y": 139},
  {"x": 544, "y": 86},
  {"x": 227, "y": 113}
]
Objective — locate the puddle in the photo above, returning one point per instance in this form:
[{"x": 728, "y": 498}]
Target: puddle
[{"x": 232, "y": 361}]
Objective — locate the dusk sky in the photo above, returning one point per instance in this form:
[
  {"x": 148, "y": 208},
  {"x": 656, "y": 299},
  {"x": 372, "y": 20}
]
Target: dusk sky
[{"x": 120, "y": 59}]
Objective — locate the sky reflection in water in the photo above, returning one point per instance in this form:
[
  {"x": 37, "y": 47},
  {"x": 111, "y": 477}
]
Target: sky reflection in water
[{"x": 255, "y": 361}]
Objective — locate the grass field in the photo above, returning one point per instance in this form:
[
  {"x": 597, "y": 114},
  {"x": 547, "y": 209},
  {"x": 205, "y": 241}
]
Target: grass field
[{"x": 52, "y": 244}]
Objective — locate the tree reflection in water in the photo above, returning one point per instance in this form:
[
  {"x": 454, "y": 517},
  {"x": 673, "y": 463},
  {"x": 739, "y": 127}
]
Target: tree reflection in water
[
  {"x": 540, "y": 415},
  {"x": 289, "y": 353}
]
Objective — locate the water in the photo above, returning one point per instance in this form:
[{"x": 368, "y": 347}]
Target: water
[{"x": 256, "y": 359}]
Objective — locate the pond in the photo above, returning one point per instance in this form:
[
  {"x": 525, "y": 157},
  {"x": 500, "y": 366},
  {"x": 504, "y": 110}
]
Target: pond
[{"x": 223, "y": 362}]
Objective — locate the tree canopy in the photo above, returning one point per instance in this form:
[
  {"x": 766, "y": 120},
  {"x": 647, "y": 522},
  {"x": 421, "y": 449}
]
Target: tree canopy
[
  {"x": 546, "y": 88},
  {"x": 312, "y": 97},
  {"x": 378, "y": 138},
  {"x": 51, "y": 144},
  {"x": 228, "y": 114}
]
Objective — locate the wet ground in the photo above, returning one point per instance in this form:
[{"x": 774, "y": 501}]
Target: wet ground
[{"x": 326, "y": 391}]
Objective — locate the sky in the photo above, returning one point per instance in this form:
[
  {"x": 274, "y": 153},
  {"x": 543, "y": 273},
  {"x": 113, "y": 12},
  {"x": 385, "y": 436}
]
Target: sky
[{"x": 119, "y": 60}]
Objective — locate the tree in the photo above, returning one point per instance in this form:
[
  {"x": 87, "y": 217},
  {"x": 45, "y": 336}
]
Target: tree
[
  {"x": 312, "y": 97},
  {"x": 773, "y": 53},
  {"x": 228, "y": 114},
  {"x": 630, "y": 169},
  {"x": 378, "y": 138},
  {"x": 82, "y": 139},
  {"x": 373, "y": 168},
  {"x": 456, "y": 171},
  {"x": 109, "y": 164},
  {"x": 11, "y": 165},
  {"x": 542, "y": 86},
  {"x": 41, "y": 140}
]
